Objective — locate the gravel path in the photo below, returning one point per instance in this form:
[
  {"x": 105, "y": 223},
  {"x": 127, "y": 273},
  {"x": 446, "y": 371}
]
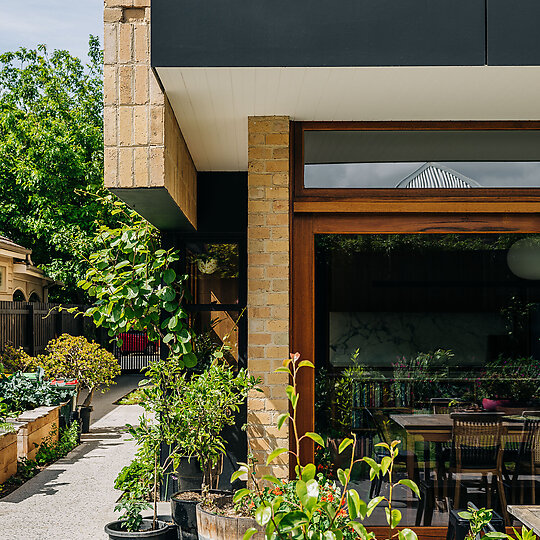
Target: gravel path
[{"x": 73, "y": 498}]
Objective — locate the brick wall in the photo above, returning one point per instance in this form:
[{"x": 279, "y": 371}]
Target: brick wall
[
  {"x": 144, "y": 146},
  {"x": 268, "y": 285}
]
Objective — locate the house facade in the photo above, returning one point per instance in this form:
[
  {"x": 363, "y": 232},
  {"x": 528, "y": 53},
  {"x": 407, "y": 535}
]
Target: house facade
[
  {"x": 20, "y": 280},
  {"x": 354, "y": 181}
]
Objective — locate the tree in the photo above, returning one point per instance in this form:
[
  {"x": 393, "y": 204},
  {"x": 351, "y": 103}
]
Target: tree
[{"x": 52, "y": 198}]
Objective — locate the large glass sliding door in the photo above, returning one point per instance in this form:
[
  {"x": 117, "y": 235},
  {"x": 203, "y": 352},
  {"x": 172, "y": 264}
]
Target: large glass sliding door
[{"x": 416, "y": 335}]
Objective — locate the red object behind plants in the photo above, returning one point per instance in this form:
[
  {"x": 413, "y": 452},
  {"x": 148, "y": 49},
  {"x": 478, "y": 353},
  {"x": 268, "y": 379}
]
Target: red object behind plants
[{"x": 137, "y": 342}]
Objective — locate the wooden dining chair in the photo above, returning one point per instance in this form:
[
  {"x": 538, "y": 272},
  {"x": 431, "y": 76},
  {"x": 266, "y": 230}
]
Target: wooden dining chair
[
  {"x": 477, "y": 450},
  {"x": 405, "y": 457},
  {"x": 444, "y": 405},
  {"x": 528, "y": 461}
]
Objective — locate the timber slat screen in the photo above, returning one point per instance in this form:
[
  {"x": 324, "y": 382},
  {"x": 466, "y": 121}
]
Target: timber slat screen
[{"x": 31, "y": 325}]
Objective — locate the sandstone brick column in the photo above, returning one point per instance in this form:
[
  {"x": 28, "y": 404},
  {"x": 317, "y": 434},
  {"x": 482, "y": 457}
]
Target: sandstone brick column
[
  {"x": 144, "y": 146},
  {"x": 268, "y": 285}
]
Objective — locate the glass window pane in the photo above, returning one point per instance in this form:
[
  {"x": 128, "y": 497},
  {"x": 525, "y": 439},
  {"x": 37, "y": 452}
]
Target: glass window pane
[
  {"x": 421, "y": 159},
  {"x": 413, "y": 328},
  {"x": 215, "y": 330},
  {"x": 214, "y": 272}
]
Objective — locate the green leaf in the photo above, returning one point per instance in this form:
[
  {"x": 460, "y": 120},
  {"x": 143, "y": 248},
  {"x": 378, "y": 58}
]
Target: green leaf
[
  {"x": 392, "y": 518},
  {"x": 354, "y": 504},
  {"x": 308, "y": 472},
  {"x": 361, "y": 530},
  {"x": 342, "y": 476},
  {"x": 344, "y": 444},
  {"x": 277, "y": 452},
  {"x": 385, "y": 464},
  {"x": 413, "y": 487},
  {"x": 373, "y": 504},
  {"x": 263, "y": 514},
  {"x": 407, "y": 534},
  {"x": 292, "y": 520},
  {"x": 169, "y": 276},
  {"x": 281, "y": 419},
  {"x": 315, "y": 437},
  {"x": 249, "y": 533},
  {"x": 306, "y": 363},
  {"x": 242, "y": 471},
  {"x": 190, "y": 360},
  {"x": 240, "y": 494},
  {"x": 283, "y": 369},
  {"x": 272, "y": 479}
]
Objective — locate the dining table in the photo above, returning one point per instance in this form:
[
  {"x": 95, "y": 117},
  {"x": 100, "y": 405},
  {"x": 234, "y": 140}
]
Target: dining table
[
  {"x": 529, "y": 515},
  {"x": 437, "y": 428}
]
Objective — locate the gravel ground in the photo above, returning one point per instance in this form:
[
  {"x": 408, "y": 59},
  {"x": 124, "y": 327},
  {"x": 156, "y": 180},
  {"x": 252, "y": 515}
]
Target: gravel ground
[{"x": 73, "y": 498}]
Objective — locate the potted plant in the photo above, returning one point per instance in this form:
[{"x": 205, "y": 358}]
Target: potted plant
[
  {"x": 204, "y": 404},
  {"x": 93, "y": 367},
  {"x": 509, "y": 382},
  {"x": 308, "y": 507}
]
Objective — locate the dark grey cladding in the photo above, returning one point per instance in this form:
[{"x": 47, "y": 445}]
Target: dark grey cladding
[
  {"x": 304, "y": 33},
  {"x": 513, "y": 32}
]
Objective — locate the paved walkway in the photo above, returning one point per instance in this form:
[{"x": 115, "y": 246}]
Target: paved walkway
[{"x": 73, "y": 498}]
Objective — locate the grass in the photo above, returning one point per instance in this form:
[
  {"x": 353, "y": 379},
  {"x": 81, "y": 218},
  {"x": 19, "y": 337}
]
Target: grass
[{"x": 135, "y": 397}]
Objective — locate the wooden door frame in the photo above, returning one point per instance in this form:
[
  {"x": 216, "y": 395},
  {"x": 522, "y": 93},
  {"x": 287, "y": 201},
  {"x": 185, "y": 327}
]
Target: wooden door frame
[{"x": 307, "y": 225}]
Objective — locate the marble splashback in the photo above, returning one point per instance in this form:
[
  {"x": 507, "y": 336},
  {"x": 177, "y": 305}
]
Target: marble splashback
[{"x": 382, "y": 337}]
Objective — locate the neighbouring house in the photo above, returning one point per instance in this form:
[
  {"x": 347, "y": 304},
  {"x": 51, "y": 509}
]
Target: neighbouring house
[
  {"x": 20, "y": 280},
  {"x": 271, "y": 142}
]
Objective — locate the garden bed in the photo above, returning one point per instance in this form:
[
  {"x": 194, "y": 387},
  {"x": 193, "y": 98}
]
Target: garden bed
[
  {"x": 33, "y": 427},
  {"x": 8, "y": 455}
]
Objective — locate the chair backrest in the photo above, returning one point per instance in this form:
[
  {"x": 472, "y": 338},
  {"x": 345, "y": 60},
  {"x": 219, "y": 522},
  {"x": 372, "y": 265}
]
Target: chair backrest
[
  {"x": 443, "y": 405},
  {"x": 476, "y": 439},
  {"x": 530, "y": 438}
]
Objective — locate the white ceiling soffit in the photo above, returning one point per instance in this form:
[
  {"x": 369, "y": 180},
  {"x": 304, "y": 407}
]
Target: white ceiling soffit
[{"x": 212, "y": 104}]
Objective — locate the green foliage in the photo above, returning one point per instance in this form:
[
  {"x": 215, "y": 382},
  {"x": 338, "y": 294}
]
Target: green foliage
[
  {"x": 525, "y": 534},
  {"x": 133, "y": 282},
  {"x": 200, "y": 407},
  {"x": 51, "y": 450},
  {"x": 136, "y": 397},
  {"x": 515, "y": 378},
  {"x": 20, "y": 393},
  {"x": 308, "y": 515},
  {"x": 419, "y": 377},
  {"x": 478, "y": 519},
  {"x": 15, "y": 359},
  {"x": 74, "y": 357},
  {"x": 131, "y": 508},
  {"x": 51, "y": 159},
  {"x": 135, "y": 480}
]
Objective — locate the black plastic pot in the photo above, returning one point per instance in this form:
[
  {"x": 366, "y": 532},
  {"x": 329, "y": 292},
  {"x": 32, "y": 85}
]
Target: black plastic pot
[
  {"x": 189, "y": 474},
  {"x": 174, "y": 530},
  {"x": 84, "y": 415},
  {"x": 184, "y": 513},
  {"x": 116, "y": 532}
]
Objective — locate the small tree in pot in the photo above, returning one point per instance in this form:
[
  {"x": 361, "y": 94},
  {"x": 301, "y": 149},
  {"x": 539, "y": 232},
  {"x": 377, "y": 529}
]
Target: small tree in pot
[{"x": 74, "y": 357}]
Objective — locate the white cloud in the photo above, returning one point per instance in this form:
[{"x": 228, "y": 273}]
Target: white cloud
[{"x": 60, "y": 24}]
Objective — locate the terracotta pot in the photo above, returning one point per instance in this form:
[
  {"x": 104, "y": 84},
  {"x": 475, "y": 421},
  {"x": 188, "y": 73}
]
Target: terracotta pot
[{"x": 495, "y": 404}]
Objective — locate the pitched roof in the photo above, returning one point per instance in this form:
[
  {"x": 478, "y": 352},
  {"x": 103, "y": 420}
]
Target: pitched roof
[
  {"x": 7, "y": 243},
  {"x": 436, "y": 175}
]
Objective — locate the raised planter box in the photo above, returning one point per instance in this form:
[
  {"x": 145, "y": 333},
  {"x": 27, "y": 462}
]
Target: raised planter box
[
  {"x": 34, "y": 426},
  {"x": 8, "y": 455}
]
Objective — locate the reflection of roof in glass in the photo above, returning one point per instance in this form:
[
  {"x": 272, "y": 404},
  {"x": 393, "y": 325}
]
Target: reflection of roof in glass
[{"x": 435, "y": 175}]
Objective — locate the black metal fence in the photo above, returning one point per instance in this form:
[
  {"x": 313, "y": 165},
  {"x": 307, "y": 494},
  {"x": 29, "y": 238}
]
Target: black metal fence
[{"x": 31, "y": 325}]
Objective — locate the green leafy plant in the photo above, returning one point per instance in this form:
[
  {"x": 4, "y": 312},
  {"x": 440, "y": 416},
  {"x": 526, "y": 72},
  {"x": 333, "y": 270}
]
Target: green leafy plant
[
  {"x": 14, "y": 359},
  {"x": 19, "y": 393},
  {"x": 51, "y": 450},
  {"x": 51, "y": 160},
  {"x": 135, "y": 480},
  {"x": 74, "y": 357},
  {"x": 135, "y": 287},
  {"x": 516, "y": 378},
  {"x": 313, "y": 517},
  {"x": 525, "y": 534},
  {"x": 418, "y": 377},
  {"x": 202, "y": 406},
  {"x": 478, "y": 519}
]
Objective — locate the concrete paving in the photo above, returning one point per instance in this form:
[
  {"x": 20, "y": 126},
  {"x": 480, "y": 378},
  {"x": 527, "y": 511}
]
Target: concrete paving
[{"x": 74, "y": 498}]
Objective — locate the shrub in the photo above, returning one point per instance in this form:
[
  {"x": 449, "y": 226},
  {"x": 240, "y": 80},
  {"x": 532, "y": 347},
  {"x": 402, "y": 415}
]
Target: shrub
[{"x": 74, "y": 357}]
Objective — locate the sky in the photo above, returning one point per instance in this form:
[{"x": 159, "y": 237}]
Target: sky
[{"x": 60, "y": 24}]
